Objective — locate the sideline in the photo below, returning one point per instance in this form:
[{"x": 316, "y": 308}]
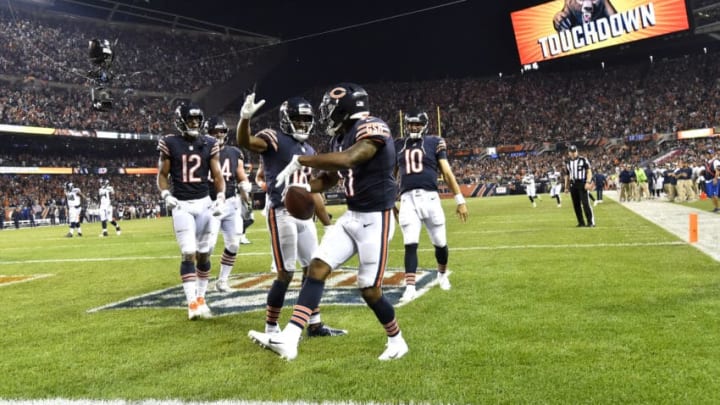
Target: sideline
[{"x": 675, "y": 218}]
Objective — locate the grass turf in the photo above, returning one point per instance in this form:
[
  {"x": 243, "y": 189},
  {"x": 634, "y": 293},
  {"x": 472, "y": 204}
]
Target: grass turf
[{"x": 539, "y": 312}]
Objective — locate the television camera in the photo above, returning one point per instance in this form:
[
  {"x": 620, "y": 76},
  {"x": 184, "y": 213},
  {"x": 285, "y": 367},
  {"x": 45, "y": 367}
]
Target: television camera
[{"x": 101, "y": 56}]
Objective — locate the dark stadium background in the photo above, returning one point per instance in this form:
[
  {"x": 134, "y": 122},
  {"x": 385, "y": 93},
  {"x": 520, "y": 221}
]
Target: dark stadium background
[{"x": 427, "y": 39}]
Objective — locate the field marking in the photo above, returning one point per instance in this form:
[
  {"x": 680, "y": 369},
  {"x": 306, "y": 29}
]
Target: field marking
[
  {"x": 66, "y": 401},
  {"x": 478, "y": 248},
  {"x": 22, "y": 279}
]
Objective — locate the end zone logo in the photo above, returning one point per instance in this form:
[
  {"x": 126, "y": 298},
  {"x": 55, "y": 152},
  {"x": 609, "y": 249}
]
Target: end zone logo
[{"x": 251, "y": 292}]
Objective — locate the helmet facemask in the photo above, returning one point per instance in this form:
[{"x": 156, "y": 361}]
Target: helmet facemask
[
  {"x": 297, "y": 118},
  {"x": 217, "y": 128},
  {"x": 189, "y": 120},
  {"x": 416, "y": 125},
  {"x": 192, "y": 126},
  {"x": 220, "y": 134},
  {"x": 346, "y": 101}
]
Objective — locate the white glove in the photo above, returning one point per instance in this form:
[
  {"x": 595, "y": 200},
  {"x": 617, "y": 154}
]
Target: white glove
[
  {"x": 327, "y": 229},
  {"x": 218, "y": 206},
  {"x": 170, "y": 201},
  {"x": 285, "y": 190},
  {"x": 284, "y": 175},
  {"x": 245, "y": 186},
  {"x": 250, "y": 107}
]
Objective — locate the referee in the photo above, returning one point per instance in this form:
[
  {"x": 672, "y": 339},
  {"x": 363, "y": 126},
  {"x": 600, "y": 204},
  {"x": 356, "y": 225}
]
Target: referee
[{"x": 578, "y": 181}]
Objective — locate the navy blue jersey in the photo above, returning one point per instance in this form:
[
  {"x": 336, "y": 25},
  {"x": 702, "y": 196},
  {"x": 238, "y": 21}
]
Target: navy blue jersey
[
  {"x": 599, "y": 180},
  {"x": 370, "y": 186},
  {"x": 281, "y": 148},
  {"x": 417, "y": 161},
  {"x": 229, "y": 156},
  {"x": 189, "y": 164}
]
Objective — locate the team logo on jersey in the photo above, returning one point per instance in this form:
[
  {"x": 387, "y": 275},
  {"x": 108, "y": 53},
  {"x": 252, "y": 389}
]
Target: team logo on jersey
[
  {"x": 7, "y": 280},
  {"x": 251, "y": 292}
]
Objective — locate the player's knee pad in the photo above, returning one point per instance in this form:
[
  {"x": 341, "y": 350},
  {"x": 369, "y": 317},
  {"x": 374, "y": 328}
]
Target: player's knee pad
[
  {"x": 411, "y": 248},
  {"x": 232, "y": 247},
  {"x": 441, "y": 254},
  {"x": 187, "y": 267},
  {"x": 204, "y": 266},
  {"x": 203, "y": 257},
  {"x": 371, "y": 295},
  {"x": 285, "y": 276}
]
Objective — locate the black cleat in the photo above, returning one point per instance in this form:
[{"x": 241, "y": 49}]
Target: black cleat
[
  {"x": 321, "y": 330},
  {"x": 580, "y": 225}
]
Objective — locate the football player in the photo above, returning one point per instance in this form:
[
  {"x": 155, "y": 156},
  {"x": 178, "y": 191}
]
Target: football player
[
  {"x": 292, "y": 240},
  {"x": 74, "y": 198},
  {"x": 364, "y": 156},
  {"x": 528, "y": 181},
  {"x": 232, "y": 168},
  {"x": 106, "y": 209},
  {"x": 555, "y": 185},
  {"x": 186, "y": 162},
  {"x": 420, "y": 158}
]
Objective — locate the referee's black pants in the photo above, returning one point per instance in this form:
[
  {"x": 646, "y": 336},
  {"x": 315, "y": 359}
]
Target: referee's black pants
[{"x": 580, "y": 197}]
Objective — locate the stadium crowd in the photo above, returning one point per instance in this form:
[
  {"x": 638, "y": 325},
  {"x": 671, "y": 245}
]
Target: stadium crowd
[
  {"x": 542, "y": 111},
  {"x": 44, "y": 66},
  {"x": 54, "y": 48}
]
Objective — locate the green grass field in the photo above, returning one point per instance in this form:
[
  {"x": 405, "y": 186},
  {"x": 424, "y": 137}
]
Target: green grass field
[{"x": 539, "y": 312}]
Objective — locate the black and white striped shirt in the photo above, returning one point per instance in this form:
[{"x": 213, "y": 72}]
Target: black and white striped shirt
[{"x": 577, "y": 169}]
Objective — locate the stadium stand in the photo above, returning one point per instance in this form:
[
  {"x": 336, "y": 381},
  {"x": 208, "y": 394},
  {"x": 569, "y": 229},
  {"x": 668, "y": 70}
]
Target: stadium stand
[{"x": 617, "y": 113}]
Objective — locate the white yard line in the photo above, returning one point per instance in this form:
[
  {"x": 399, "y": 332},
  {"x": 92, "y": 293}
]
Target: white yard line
[{"x": 675, "y": 218}]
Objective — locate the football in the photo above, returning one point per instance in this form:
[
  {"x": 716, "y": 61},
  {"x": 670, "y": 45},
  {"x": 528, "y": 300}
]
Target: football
[{"x": 299, "y": 202}]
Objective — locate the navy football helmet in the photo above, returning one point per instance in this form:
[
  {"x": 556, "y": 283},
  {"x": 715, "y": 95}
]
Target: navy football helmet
[
  {"x": 418, "y": 120},
  {"x": 217, "y": 128},
  {"x": 345, "y": 101},
  {"x": 189, "y": 119},
  {"x": 104, "y": 182},
  {"x": 69, "y": 186},
  {"x": 297, "y": 118}
]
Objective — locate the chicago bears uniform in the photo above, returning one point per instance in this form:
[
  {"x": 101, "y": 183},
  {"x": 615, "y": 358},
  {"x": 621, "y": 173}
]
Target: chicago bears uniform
[
  {"x": 186, "y": 162},
  {"x": 420, "y": 159},
  {"x": 364, "y": 159},
  {"x": 230, "y": 220},
  {"x": 106, "y": 209},
  {"x": 292, "y": 240},
  {"x": 230, "y": 162},
  {"x": 370, "y": 191},
  {"x": 417, "y": 163}
]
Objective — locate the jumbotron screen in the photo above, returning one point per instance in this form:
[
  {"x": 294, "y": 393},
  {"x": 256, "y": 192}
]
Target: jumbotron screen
[{"x": 567, "y": 27}]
